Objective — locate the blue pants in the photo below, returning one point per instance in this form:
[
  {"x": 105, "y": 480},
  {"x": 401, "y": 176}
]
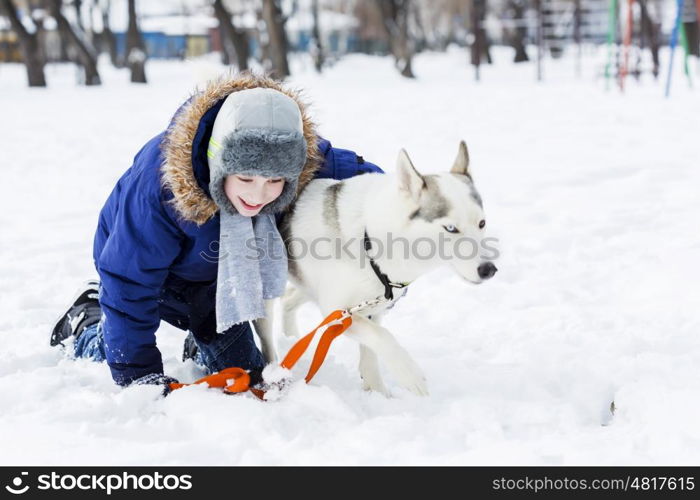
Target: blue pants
[
  {"x": 190, "y": 308},
  {"x": 235, "y": 347}
]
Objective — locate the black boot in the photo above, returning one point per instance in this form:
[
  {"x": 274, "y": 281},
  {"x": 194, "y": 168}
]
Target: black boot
[
  {"x": 189, "y": 349},
  {"x": 82, "y": 312}
]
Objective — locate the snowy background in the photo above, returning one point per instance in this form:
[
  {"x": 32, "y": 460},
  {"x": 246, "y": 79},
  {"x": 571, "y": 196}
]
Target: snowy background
[{"x": 593, "y": 195}]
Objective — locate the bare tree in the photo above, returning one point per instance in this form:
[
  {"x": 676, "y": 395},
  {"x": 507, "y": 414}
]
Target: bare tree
[
  {"x": 317, "y": 49},
  {"x": 277, "y": 38},
  {"x": 578, "y": 21},
  {"x": 519, "y": 32},
  {"x": 135, "y": 48},
  {"x": 93, "y": 36},
  {"x": 78, "y": 6},
  {"x": 29, "y": 44},
  {"x": 263, "y": 42},
  {"x": 395, "y": 15},
  {"x": 107, "y": 36},
  {"x": 540, "y": 38},
  {"x": 87, "y": 58},
  {"x": 650, "y": 34},
  {"x": 234, "y": 42},
  {"x": 480, "y": 42}
]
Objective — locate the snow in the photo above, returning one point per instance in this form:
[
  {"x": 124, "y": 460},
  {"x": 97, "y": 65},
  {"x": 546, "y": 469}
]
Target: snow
[{"x": 592, "y": 194}]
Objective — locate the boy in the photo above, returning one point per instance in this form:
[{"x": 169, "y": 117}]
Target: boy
[{"x": 174, "y": 237}]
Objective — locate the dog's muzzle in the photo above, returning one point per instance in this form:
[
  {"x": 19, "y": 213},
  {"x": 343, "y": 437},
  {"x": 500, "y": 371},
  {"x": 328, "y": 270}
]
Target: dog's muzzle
[{"x": 486, "y": 270}]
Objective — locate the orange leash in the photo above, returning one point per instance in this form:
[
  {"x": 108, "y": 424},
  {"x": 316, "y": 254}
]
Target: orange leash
[
  {"x": 236, "y": 380},
  {"x": 338, "y": 321},
  {"x": 232, "y": 379}
]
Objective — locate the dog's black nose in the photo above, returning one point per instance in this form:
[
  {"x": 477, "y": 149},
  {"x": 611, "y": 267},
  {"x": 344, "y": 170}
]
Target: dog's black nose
[{"x": 486, "y": 270}]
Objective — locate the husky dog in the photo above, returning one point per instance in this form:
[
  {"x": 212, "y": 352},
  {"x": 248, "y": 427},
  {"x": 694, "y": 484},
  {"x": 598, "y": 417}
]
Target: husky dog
[{"x": 371, "y": 235}]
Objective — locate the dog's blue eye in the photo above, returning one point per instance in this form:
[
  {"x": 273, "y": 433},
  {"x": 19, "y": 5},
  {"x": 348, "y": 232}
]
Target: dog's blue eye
[
  {"x": 450, "y": 228},
  {"x": 482, "y": 224}
]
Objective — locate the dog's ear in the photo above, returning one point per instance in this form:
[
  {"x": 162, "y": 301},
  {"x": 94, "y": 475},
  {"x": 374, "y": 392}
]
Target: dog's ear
[
  {"x": 461, "y": 164},
  {"x": 410, "y": 181}
]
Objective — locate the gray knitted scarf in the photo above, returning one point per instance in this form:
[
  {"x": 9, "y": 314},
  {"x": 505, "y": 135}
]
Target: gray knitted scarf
[
  {"x": 259, "y": 132},
  {"x": 252, "y": 267}
]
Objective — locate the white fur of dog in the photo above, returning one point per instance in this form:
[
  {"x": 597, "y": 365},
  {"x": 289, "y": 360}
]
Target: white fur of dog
[{"x": 330, "y": 215}]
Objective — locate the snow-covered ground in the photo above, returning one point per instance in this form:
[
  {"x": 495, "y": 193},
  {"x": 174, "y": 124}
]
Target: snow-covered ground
[{"x": 593, "y": 195}]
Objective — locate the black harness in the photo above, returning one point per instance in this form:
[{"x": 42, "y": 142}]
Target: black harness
[{"x": 388, "y": 285}]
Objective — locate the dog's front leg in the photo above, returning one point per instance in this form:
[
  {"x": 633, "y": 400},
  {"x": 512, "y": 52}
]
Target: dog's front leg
[
  {"x": 291, "y": 300},
  {"x": 263, "y": 327},
  {"x": 380, "y": 340},
  {"x": 369, "y": 367},
  {"x": 369, "y": 371}
]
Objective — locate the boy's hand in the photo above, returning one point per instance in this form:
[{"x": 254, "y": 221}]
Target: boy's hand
[{"x": 156, "y": 379}]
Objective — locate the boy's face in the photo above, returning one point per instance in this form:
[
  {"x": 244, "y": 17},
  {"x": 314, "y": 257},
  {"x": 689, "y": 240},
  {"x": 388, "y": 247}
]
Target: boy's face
[{"x": 250, "y": 193}]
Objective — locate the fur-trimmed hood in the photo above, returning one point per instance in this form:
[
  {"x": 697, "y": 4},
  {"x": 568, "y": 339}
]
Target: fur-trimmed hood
[{"x": 186, "y": 139}]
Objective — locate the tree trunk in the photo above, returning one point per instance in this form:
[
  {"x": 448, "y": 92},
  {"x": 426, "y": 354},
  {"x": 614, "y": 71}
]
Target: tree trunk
[
  {"x": 540, "y": 38},
  {"x": 107, "y": 36},
  {"x": 650, "y": 32},
  {"x": 404, "y": 42},
  {"x": 92, "y": 36},
  {"x": 225, "y": 49},
  {"x": 317, "y": 51},
  {"x": 78, "y": 5},
  {"x": 485, "y": 43},
  {"x": 86, "y": 54},
  {"x": 475, "y": 16},
  {"x": 272, "y": 14},
  {"x": 65, "y": 49},
  {"x": 520, "y": 32},
  {"x": 241, "y": 46},
  {"x": 262, "y": 55},
  {"x": 395, "y": 15},
  {"x": 31, "y": 53},
  {"x": 41, "y": 33},
  {"x": 480, "y": 45},
  {"x": 231, "y": 38},
  {"x": 228, "y": 53},
  {"x": 577, "y": 34},
  {"x": 135, "y": 48}
]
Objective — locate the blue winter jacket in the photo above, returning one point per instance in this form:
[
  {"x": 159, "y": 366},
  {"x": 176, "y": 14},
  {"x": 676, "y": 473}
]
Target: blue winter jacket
[{"x": 158, "y": 222}]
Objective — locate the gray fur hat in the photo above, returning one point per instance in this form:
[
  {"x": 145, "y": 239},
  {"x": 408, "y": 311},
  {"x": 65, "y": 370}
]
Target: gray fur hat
[{"x": 257, "y": 132}]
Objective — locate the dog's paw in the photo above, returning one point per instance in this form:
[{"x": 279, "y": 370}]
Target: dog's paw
[
  {"x": 375, "y": 386},
  {"x": 409, "y": 376},
  {"x": 419, "y": 387}
]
